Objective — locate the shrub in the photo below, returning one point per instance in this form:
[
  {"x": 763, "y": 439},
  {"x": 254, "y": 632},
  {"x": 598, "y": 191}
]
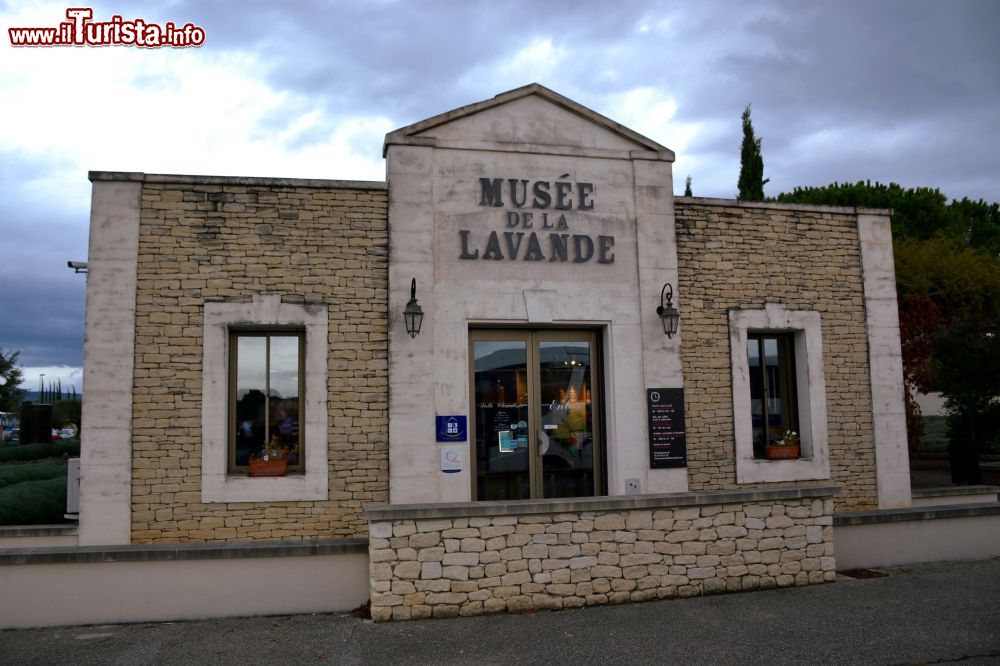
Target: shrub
[
  {"x": 67, "y": 447},
  {"x": 26, "y": 452},
  {"x": 33, "y": 502},
  {"x": 33, "y": 471}
]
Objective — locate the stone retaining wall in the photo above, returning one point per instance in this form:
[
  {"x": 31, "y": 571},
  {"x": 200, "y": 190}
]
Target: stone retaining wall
[{"x": 490, "y": 557}]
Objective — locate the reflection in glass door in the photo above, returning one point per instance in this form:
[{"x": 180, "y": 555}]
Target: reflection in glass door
[
  {"x": 535, "y": 414},
  {"x": 567, "y": 414},
  {"x": 501, "y": 419}
]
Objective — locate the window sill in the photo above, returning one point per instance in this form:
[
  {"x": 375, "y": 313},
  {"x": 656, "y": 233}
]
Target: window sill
[
  {"x": 762, "y": 470},
  {"x": 244, "y": 488},
  {"x": 779, "y": 460}
]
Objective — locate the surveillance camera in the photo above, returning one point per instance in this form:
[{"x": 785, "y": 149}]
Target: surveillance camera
[{"x": 77, "y": 265}]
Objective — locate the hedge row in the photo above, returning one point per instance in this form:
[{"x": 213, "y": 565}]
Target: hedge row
[
  {"x": 33, "y": 502},
  {"x": 33, "y": 471},
  {"x": 26, "y": 452}
]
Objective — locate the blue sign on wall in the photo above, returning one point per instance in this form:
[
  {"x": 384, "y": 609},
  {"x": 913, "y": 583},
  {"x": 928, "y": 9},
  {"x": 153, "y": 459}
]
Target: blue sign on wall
[{"x": 451, "y": 428}]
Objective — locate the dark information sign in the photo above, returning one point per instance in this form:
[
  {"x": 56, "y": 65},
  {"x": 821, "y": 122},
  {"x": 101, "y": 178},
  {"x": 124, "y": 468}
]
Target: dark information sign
[{"x": 667, "y": 446}]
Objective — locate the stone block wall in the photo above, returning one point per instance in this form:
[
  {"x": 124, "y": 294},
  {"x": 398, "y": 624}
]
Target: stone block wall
[
  {"x": 742, "y": 256},
  {"x": 228, "y": 239},
  {"x": 469, "y": 559}
]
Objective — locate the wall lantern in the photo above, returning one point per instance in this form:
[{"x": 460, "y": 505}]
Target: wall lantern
[
  {"x": 669, "y": 316},
  {"x": 413, "y": 315}
]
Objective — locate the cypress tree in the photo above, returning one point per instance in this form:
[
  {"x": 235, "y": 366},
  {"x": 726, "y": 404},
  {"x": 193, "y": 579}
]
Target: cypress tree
[
  {"x": 687, "y": 187},
  {"x": 751, "y": 183}
]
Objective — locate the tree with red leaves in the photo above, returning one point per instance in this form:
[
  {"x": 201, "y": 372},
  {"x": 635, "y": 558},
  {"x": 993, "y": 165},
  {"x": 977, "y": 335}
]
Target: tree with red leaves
[{"x": 947, "y": 260}]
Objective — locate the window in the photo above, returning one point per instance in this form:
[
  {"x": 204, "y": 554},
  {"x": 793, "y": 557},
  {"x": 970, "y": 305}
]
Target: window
[
  {"x": 778, "y": 385},
  {"x": 771, "y": 361},
  {"x": 266, "y": 375}
]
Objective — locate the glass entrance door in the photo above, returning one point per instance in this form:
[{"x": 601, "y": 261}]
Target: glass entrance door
[
  {"x": 501, "y": 419},
  {"x": 535, "y": 414}
]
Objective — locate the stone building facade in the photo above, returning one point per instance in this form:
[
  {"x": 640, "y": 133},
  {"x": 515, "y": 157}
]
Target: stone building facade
[
  {"x": 323, "y": 244},
  {"x": 542, "y": 395},
  {"x": 738, "y": 256}
]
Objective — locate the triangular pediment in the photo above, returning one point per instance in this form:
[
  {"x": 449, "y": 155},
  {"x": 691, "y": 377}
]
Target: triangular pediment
[{"x": 528, "y": 119}]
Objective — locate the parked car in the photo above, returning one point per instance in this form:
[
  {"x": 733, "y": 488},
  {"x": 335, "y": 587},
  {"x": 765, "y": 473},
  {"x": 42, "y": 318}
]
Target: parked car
[{"x": 12, "y": 435}]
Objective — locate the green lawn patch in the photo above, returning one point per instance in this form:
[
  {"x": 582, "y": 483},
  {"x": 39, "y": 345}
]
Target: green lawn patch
[{"x": 33, "y": 482}]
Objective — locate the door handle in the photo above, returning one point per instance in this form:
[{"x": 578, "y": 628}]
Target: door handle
[{"x": 543, "y": 442}]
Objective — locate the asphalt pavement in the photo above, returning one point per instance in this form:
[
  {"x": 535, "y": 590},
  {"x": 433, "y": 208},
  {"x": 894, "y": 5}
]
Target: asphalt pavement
[{"x": 926, "y": 614}]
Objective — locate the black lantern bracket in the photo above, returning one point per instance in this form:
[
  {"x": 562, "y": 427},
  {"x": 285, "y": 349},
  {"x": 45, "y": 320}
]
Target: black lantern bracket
[
  {"x": 413, "y": 314},
  {"x": 669, "y": 316}
]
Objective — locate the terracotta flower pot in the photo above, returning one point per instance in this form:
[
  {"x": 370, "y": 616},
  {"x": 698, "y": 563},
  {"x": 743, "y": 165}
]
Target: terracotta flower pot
[
  {"x": 772, "y": 452},
  {"x": 268, "y": 467}
]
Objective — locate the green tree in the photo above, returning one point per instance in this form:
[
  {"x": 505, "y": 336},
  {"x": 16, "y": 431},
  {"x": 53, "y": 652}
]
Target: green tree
[
  {"x": 921, "y": 212},
  {"x": 947, "y": 260},
  {"x": 687, "y": 187},
  {"x": 751, "y": 182},
  {"x": 11, "y": 377},
  {"x": 947, "y": 300},
  {"x": 965, "y": 356},
  {"x": 65, "y": 412}
]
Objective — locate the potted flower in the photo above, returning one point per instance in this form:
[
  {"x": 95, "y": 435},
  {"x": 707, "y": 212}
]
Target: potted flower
[
  {"x": 786, "y": 448},
  {"x": 272, "y": 461}
]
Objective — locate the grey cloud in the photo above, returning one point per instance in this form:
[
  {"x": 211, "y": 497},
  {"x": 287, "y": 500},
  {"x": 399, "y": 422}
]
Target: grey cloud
[
  {"x": 405, "y": 59},
  {"x": 43, "y": 319},
  {"x": 41, "y": 300},
  {"x": 805, "y": 67},
  {"x": 910, "y": 89}
]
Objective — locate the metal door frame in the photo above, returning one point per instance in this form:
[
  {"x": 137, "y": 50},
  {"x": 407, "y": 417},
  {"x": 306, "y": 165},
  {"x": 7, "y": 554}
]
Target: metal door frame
[{"x": 532, "y": 337}]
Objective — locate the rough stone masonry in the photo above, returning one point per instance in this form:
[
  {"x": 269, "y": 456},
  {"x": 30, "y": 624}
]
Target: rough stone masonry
[
  {"x": 227, "y": 239},
  {"x": 449, "y": 566}
]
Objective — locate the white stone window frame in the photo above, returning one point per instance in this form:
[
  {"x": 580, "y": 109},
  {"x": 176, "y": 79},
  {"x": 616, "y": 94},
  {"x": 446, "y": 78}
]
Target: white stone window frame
[
  {"x": 217, "y": 485},
  {"x": 804, "y": 326}
]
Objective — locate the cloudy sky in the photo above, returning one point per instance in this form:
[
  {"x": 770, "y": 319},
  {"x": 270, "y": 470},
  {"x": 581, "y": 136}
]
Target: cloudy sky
[{"x": 905, "y": 91}]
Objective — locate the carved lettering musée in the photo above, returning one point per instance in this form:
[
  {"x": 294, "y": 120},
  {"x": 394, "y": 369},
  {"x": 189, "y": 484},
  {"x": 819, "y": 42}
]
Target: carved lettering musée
[
  {"x": 491, "y": 194},
  {"x": 544, "y": 234}
]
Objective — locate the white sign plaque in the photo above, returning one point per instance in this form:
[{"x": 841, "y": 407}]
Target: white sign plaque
[{"x": 451, "y": 459}]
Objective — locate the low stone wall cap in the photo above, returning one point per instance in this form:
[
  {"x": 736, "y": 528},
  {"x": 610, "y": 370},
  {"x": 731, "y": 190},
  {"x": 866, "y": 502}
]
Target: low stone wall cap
[
  {"x": 916, "y": 513},
  {"x": 777, "y": 205},
  {"x": 253, "y": 181},
  {"x": 377, "y": 512},
  {"x": 180, "y": 551},
  {"x": 952, "y": 491}
]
